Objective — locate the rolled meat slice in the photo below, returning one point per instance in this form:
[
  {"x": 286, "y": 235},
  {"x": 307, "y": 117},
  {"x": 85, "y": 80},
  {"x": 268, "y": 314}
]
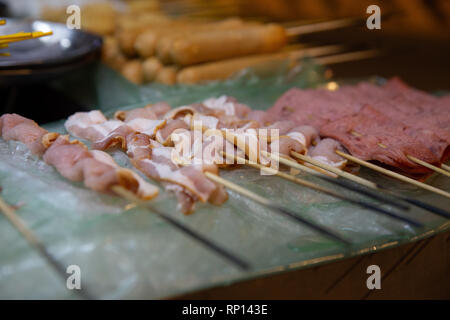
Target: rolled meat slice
[
  {"x": 324, "y": 152},
  {"x": 229, "y": 105},
  {"x": 96, "y": 169},
  {"x": 145, "y": 190},
  {"x": 91, "y": 126},
  {"x": 16, "y": 127},
  {"x": 155, "y": 160},
  {"x": 308, "y": 136},
  {"x": 262, "y": 117},
  {"x": 151, "y": 111}
]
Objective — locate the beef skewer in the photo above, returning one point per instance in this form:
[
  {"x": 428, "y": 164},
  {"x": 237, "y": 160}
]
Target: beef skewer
[
  {"x": 37, "y": 244},
  {"x": 308, "y": 184}
]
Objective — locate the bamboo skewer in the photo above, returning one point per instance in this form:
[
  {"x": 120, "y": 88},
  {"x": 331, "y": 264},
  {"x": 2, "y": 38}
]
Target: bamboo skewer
[
  {"x": 429, "y": 166},
  {"x": 325, "y": 191},
  {"x": 351, "y": 56},
  {"x": 446, "y": 167},
  {"x": 341, "y": 183},
  {"x": 181, "y": 227},
  {"x": 276, "y": 208},
  {"x": 394, "y": 174},
  {"x": 321, "y": 26},
  {"x": 337, "y": 171},
  {"x": 365, "y": 190},
  {"x": 35, "y": 243}
]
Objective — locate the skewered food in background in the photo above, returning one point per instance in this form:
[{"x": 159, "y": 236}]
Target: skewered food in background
[{"x": 263, "y": 64}]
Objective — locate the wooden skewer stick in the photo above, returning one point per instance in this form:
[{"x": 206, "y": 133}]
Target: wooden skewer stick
[
  {"x": 446, "y": 167},
  {"x": 366, "y": 191},
  {"x": 340, "y": 183},
  {"x": 337, "y": 171},
  {"x": 324, "y": 190},
  {"x": 394, "y": 174},
  {"x": 35, "y": 243},
  {"x": 183, "y": 228},
  {"x": 276, "y": 208},
  {"x": 429, "y": 166},
  {"x": 345, "y": 57}
]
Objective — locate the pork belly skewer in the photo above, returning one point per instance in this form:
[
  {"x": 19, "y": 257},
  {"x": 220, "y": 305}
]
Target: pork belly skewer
[
  {"x": 304, "y": 135},
  {"x": 130, "y": 137},
  {"x": 72, "y": 159},
  {"x": 96, "y": 168},
  {"x": 152, "y": 157}
]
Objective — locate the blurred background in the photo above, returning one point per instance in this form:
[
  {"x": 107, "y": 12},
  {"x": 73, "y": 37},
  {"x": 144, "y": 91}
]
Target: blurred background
[{"x": 413, "y": 42}]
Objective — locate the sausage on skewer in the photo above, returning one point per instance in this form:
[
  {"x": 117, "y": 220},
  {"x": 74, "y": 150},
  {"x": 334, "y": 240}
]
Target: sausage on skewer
[
  {"x": 147, "y": 42},
  {"x": 223, "y": 44}
]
